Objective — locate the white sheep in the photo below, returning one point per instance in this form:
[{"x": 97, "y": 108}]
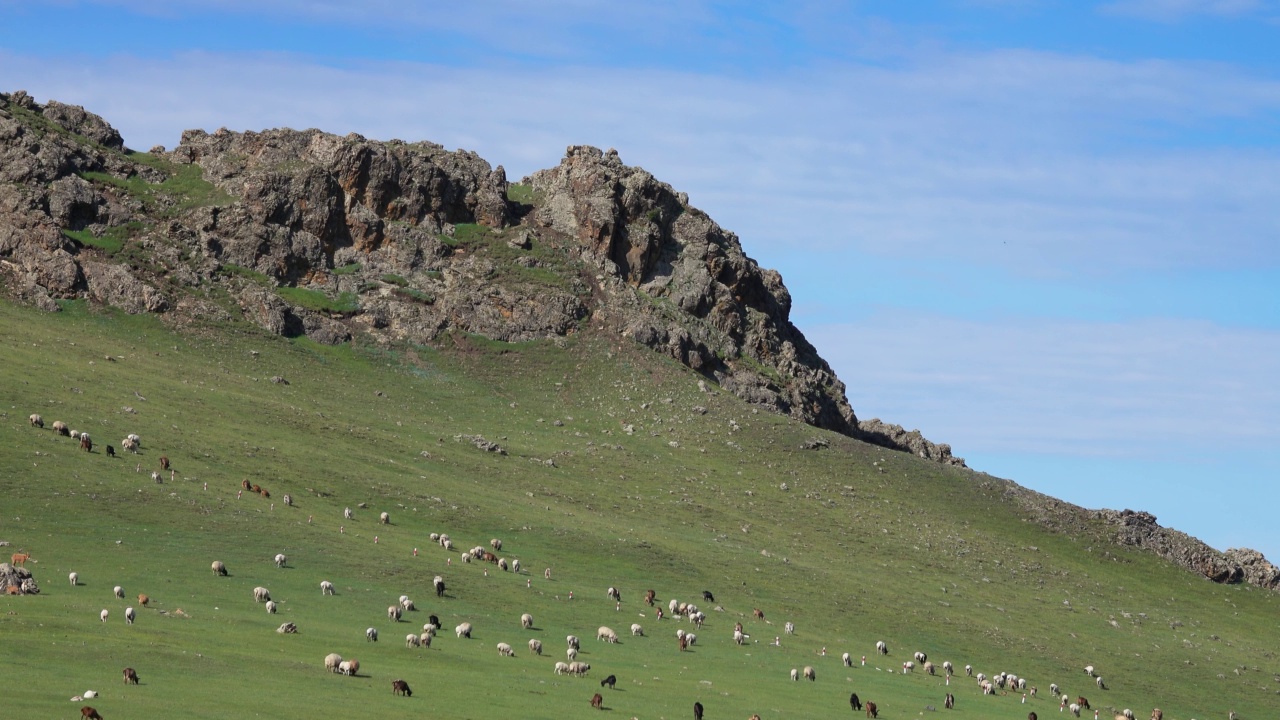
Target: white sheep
[
  {"x": 1101, "y": 686},
  {"x": 1075, "y": 709},
  {"x": 90, "y": 694},
  {"x": 968, "y": 670},
  {"x": 444, "y": 541},
  {"x": 571, "y": 653},
  {"x": 412, "y": 640},
  {"x": 1088, "y": 670},
  {"x": 740, "y": 638},
  {"x": 607, "y": 634},
  {"x": 75, "y": 434},
  {"x": 435, "y": 537},
  {"x": 526, "y": 621},
  {"x": 271, "y": 607},
  {"x": 260, "y": 594},
  {"x": 535, "y": 646},
  {"x": 562, "y": 668},
  {"x": 505, "y": 650},
  {"x": 36, "y": 420},
  {"x": 463, "y": 630},
  {"x": 573, "y": 642},
  {"x": 690, "y": 638},
  {"x": 809, "y": 673},
  {"x": 134, "y": 437},
  {"x": 496, "y": 544},
  {"x": 927, "y": 667},
  {"x": 908, "y": 666},
  {"x": 920, "y": 657},
  {"x": 407, "y": 604},
  {"x": 393, "y": 612},
  {"x": 947, "y": 667},
  {"x": 74, "y": 578},
  {"x": 425, "y": 639},
  {"x": 119, "y": 591},
  {"x": 795, "y": 674},
  {"x": 680, "y": 633},
  {"x": 280, "y": 560},
  {"x": 385, "y": 518},
  {"x": 103, "y": 615},
  {"x": 347, "y": 514},
  {"x": 371, "y": 634},
  {"x": 129, "y": 615},
  {"x": 466, "y": 557},
  {"x": 326, "y": 587},
  {"x": 579, "y": 668},
  {"x": 448, "y": 544},
  {"x": 789, "y": 628},
  {"x": 219, "y": 568},
  {"x": 515, "y": 566},
  {"x": 429, "y": 628},
  {"x": 846, "y": 658},
  {"x": 288, "y": 500},
  {"x": 331, "y": 662},
  {"x": 636, "y": 630},
  {"x": 882, "y": 648},
  {"x": 673, "y": 606}
]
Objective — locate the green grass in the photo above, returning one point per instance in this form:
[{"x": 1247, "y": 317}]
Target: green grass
[
  {"x": 523, "y": 194},
  {"x": 316, "y": 300},
  {"x": 246, "y": 273},
  {"x": 111, "y": 241},
  {"x": 864, "y": 545},
  {"x": 348, "y": 269},
  {"x": 183, "y": 189},
  {"x": 393, "y": 279},
  {"x": 414, "y": 295}
]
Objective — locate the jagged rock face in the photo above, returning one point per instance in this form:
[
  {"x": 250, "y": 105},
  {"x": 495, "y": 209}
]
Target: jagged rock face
[
  {"x": 1255, "y": 568},
  {"x": 1140, "y": 529},
  {"x": 896, "y": 437},
  {"x": 728, "y": 318}
]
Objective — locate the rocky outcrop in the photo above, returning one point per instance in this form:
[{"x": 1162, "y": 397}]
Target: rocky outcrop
[
  {"x": 1140, "y": 529},
  {"x": 1255, "y": 568},
  {"x": 17, "y": 580},
  {"x": 896, "y": 437}
]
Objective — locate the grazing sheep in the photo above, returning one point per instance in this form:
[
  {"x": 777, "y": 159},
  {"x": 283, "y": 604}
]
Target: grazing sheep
[
  {"x": 809, "y": 673},
  {"x": 326, "y": 587},
  {"x": 882, "y": 648},
  {"x": 908, "y": 666},
  {"x": 571, "y": 653},
  {"x": 680, "y": 633},
  {"x": 920, "y": 657},
  {"x": 1127, "y": 713},
  {"x": 597, "y": 701},
  {"x": 400, "y": 687},
  {"x": 407, "y": 604},
  {"x": 1075, "y": 709},
  {"x": 103, "y": 615},
  {"x": 349, "y": 667},
  {"x": 795, "y": 674},
  {"x": 606, "y": 634},
  {"x": 928, "y": 667},
  {"x": 271, "y": 607},
  {"x": 143, "y": 600},
  {"x": 1054, "y": 690},
  {"x": 425, "y": 639},
  {"x": 526, "y": 621},
  {"x": 347, "y": 514},
  {"x": 371, "y": 634},
  {"x": 637, "y": 630},
  {"x": 85, "y": 443},
  {"x": 547, "y": 573},
  {"x": 439, "y": 585},
  {"x": 535, "y": 646},
  {"x": 968, "y": 670},
  {"x": 515, "y": 566},
  {"x": 505, "y": 650},
  {"x": 435, "y": 537},
  {"x": 129, "y": 616},
  {"x": 463, "y": 630},
  {"x": 281, "y": 560},
  {"x": 947, "y": 667},
  {"x": 739, "y": 637},
  {"x": 393, "y": 613},
  {"x": 444, "y": 541},
  {"x": 412, "y": 640},
  {"x": 1088, "y": 670},
  {"x": 385, "y": 518},
  {"x": 61, "y": 428},
  {"x": 90, "y": 694},
  {"x": 74, "y": 578},
  {"x": 562, "y": 668},
  {"x": 287, "y": 628},
  {"x": 331, "y": 662},
  {"x": 579, "y": 668},
  {"x": 88, "y": 713},
  {"x": 573, "y": 642},
  {"x": 614, "y": 594},
  {"x": 789, "y": 628},
  {"x": 130, "y": 676},
  {"x": 219, "y": 568},
  {"x": 690, "y": 638},
  {"x": 261, "y": 594},
  {"x": 1101, "y": 685},
  {"x": 129, "y": 444},
  {"x": 36, "y": 421},
  {"x": 496, "y": 544}
]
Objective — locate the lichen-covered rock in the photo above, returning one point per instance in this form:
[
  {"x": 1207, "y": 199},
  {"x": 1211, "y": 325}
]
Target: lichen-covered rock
[{"x": 1255, "y": 568}]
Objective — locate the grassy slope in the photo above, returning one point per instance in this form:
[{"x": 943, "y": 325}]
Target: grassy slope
[{"x": 905, "y": 551}]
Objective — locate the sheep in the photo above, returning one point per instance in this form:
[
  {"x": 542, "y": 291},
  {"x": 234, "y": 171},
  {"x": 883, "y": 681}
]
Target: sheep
[
  {"x": 740, "y": 638},
  {"x": 439, "y": 586},
  {"x": 573, "y": 642},
  {"x": 882, "y": 648},
  {"x": 680, "y": 633},
  {"x": 347, "y": 514},
  {"x": 400, "y": 687},
  {"x": 546, "y": 573},
  {"x": 445, "y": 542},
  {"x": 505, "y": 650},
  {"x": 288, "y": 500},
  {"x": 502, "y": 563},
  {"x": 1088, "y": 670},
  {"x": 674, "y": 604},
  {"x": 571, "y": 654},
  {"x": 1157, "y": 714},
  {"x": 614, "y": 594},
  {"x": 219, "y": 568},
  {"x": 1075, "y": 709},
  {"x": 425, "y": 639},
  {"x": 86, "y": 443},
  {"x": 281, "y": 560},
  {"x": 947, "y": 667},
  {"x": 496, "y": 544},
  {"x": 920, "y": 657},
  {"x": 968, "y": 670},
  {"x": 637, "y": 630},
  {"x": 1101, "y": 685},
  {"x": 103, "y": 615},
  {"x": 393, "y": 612},
  {"x": 927, "y": 667},
  {"x": 407, "y": 604},
  {"x": 690, "y": 638},
  {"x": 119, "y": 592},
  {"x": 385, "y": 518},
  {"x": 349, "y": 667},
  {"x": 261, "y": 594},
  {"x": 430, "y": 628},
  {"x": 597, "y": 701},
  {"x": 129, "y": 444},
  {"x": 129, "y": 615},
  {"x": 562, "y": 668},
  {"x": 526, "y": 621},
  {"x": 271, "y": 607},
  {"x": 287, "y": 628},
  {"x": 371, "y": 634},
  {"x": 789, "y": 628},
  {"x": 74, "y": 578},
  {"x": 412, "y": 640},
  {"x": 908, "y": 666},
  {"x": 61, "y": 428},
  {"x": 515, "y": 566},
  {"x": 331, "y": 662},
  {"x": 795, "y": 674},
  {"x": 90, "y": 694},
  {"x": 579, "y": 668},
  {"x": 1054, "y": 690},
  {"x": 463, "y": 630},
  {"x": 326, "y": 587},
  {"x": 130, "y": 676},
  {"x": 136, "y": 440},
  {"x": 36, "y": 421},
  {"x": 535, "y": 646},
  {"x": 466, "y": 557},
  {"x": 809, "y": 673},
  {"x": 607, "y": 634}
]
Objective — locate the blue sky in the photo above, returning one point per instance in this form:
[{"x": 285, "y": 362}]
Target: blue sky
[{"x": 1044, "y": 231}]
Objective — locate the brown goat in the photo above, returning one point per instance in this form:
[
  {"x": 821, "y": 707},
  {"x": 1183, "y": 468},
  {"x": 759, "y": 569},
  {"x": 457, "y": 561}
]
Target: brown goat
[
  {"x": 89, "y": 713},
  {"x": 164, "y": 462},
  {"x": 20, "y": 558},
  {"x": 872, "y": 710},
  {"x": 143, "y": 600},
  {"x": 597, "y": 701},
  {"x": 130, "y": 676}
]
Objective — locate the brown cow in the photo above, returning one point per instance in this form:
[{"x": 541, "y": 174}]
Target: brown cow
[
  {"x": 89, "y": 713},
  {"x": 130, "y": 676},
  {"x": 597, "y": 701},
  {"x": 872, "y": 710},
  {"x": 400, "y": 687},
  {"x": 20, "y": 558},
  {"x": 143, "y": 600},
  {"x": 164, "y": 462}
]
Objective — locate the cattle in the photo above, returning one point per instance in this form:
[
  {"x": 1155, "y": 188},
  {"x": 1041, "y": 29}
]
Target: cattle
[
  {"x": 610, "y": 681},
  {"x": 89, "y": 713},
  {"x": 400, "y": 687},
  {"x": 597, "y": 701},
  {"x": 130, "y": 676},
  {"x": 854, "y": 703},
  {"x": 872, "y": 711},
  {"x": 697, "y": 711}
]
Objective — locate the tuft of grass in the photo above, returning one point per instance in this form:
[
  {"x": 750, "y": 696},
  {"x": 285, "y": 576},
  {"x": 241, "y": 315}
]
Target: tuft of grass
[
  {"x": 523, "y": 194},
  {"x": 111, "y": 241},
  {"x": 393, "y": 279},
  {"x": 348, "y": 269},
  {"x": 247, "y": 273},
  {"x": 414, "y": 295},
  {"x": 315, "y": 300}
]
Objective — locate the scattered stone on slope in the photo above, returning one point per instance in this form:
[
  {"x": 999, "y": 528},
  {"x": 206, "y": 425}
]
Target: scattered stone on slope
[{"x": 480, "y": 442}]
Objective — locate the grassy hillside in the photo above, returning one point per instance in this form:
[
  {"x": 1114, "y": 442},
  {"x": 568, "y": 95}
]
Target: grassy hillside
[{"x": 852, "y": 543}]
